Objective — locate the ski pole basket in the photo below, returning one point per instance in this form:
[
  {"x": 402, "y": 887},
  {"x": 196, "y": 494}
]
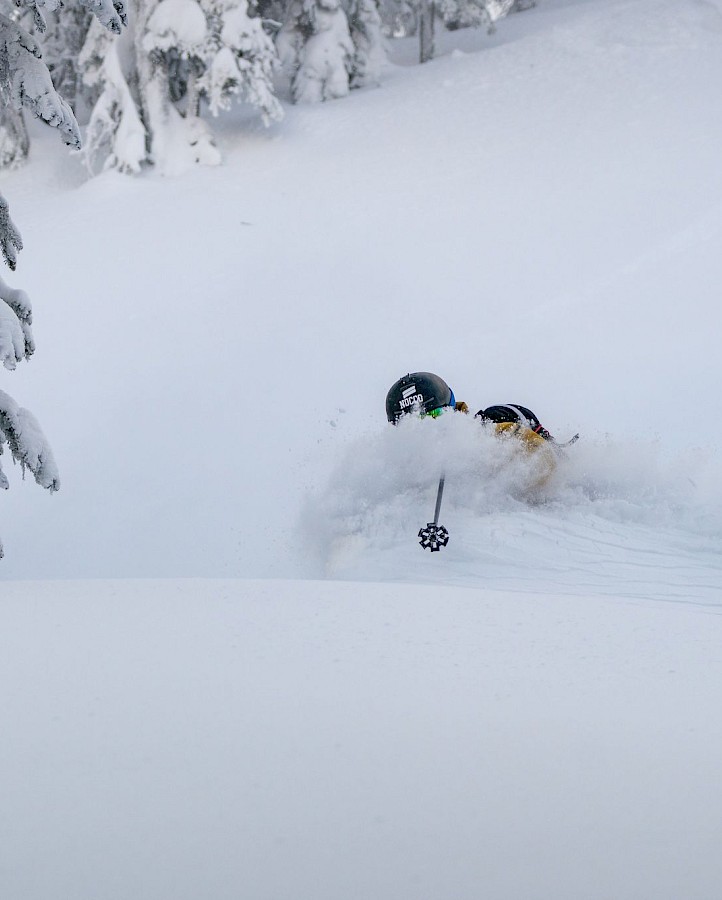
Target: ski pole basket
[{"x": 433, "y": 537}]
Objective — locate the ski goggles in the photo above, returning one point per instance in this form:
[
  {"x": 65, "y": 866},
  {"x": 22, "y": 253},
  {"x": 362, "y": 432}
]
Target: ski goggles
[{"x": 435, "y": 413}]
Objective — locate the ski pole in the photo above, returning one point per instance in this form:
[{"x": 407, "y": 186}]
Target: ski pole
[{"x": 435, "y": 536}]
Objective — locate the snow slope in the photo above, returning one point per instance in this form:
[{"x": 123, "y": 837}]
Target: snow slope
[
  {"x": 286, "y": 740},
  {"x": 535, "y": 216},
  {"x": 242, "y": 677}
]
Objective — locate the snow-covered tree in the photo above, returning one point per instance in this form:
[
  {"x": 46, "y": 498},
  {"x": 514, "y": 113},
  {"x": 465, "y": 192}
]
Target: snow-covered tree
[
  {"x": 185, "y": 52},
  {"x": 457, "y": 14},
  {"x": 497, "y": 9},
  {"x": 61, "y": 43},
  {"x": 315, "y": 47},
  {"x": 239, "y": 58},
  {"x": 170, "y": 51},
  {"x": 115, "y": 136},
  {"x": 399, "y": 18},
  {"x": 367, "y": 37},
  {"x": 25, "y": 83},
  {"x": 14, "y": 136}
]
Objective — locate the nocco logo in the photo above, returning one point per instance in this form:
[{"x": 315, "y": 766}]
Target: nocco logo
[{"x": 409, "y": 397}]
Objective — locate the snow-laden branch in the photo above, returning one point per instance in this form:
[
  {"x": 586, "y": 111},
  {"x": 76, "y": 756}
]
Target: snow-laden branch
[
  {"x": 110, "y": 13},
  {"x": 497, "y": 9},
  {"x": 12, "y": 340},
  {"x": 25, "y": 82},
  {"x": 20, "y": 430},
  {"x": 10, "y": 240},
  {"x": 16, "y": 318},
  {"x": 176, "y": 24}
]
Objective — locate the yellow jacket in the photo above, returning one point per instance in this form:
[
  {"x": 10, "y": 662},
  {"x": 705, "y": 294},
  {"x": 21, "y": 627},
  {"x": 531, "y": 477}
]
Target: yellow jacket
[{"x": 545, "y": 461}]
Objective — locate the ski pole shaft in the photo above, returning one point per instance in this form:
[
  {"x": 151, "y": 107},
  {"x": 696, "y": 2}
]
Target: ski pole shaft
[{"x": 439, "y": 495}]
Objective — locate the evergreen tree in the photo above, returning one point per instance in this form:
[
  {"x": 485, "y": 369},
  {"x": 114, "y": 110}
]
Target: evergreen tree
[
  {"x": 457, "y": 14},
  {"x": 115, "y": 136},
  {"x": 495, "y": 10},
  {"x": 25, "y": 83},
  {"x": 399, "y": 18},
  {"x": 367, "y": 37},
  {"x": 239, "y": 59},
  {"x": 315, "y": 47},
  {"x": 170, "y": 44}
]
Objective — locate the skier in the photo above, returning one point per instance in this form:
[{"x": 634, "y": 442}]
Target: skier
[
  {"x": 511, "y": 418},
  {"x": 421, "y": 393}
]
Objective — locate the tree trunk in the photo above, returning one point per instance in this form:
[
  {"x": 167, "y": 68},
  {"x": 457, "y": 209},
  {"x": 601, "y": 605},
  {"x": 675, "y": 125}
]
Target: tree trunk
[
  {"x": 426, "y": 30},
  {"x": 193, "y": 98},
  {"x": 143, "y": 66}
]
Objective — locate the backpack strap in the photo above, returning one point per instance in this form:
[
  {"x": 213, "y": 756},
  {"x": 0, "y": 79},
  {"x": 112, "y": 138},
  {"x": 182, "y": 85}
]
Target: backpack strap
[
  {"x": 526, "y": 415},
  {"x": 531, "y": 421}
]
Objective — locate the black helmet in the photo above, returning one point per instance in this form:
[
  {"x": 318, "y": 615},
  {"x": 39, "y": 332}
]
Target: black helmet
[
  {"x": 420, "y": 392},
  {"x": 509, "y": 412},
  {"x": 499, "y": 414}
]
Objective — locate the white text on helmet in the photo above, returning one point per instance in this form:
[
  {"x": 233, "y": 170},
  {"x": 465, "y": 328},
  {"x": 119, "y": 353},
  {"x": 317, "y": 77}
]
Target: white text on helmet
[{"x": 410, "y": 401}]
